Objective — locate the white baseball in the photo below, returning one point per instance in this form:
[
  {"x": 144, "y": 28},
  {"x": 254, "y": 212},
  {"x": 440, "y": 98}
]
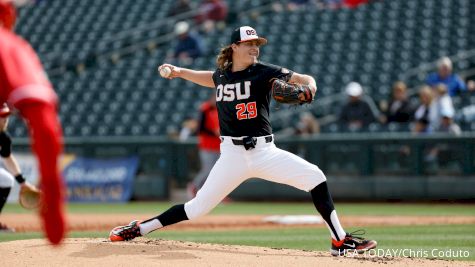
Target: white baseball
[{"x": 165, "y": 72}]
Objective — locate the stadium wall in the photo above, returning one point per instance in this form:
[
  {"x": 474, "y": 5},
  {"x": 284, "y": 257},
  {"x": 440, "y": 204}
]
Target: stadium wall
[{"x": 358, "y": 166}]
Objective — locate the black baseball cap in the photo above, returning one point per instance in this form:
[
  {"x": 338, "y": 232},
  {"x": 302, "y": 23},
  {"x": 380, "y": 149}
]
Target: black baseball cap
[{"x": 244, "y": 34}]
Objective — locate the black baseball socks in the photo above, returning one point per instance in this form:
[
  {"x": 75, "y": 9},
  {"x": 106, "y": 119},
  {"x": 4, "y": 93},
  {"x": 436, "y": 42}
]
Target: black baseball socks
[
  {"x": 173, "y": 215},
  {"x": 323, "y": 202},
  {"x": 4, "y": 192},
  {"x": 320, "y": 195}
]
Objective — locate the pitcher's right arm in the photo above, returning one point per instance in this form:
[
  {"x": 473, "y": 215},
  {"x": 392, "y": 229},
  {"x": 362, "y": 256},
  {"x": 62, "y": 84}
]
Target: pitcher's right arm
[{"x": 200, "y": 77}]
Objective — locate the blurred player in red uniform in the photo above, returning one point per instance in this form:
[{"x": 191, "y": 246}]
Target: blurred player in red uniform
[
  {"x": 208, "y": 143},
  {"x": 25, "y": 87}
]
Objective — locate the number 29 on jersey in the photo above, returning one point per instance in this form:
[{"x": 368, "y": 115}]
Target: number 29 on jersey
[{"x": 246, "y": 110}]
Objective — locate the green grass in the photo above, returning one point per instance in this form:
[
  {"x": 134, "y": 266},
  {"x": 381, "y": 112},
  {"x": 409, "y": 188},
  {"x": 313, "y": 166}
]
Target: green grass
[
  {"x": 421, "y": 237},
  {"x": 4, "y": 237},
  {"x": 417, "y": 238},
  {"x": 441, "y": 237},
  {"x": 377, "y": 209}
]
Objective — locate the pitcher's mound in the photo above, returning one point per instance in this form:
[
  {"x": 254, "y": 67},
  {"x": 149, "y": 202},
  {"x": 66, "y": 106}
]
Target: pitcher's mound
[{"x": 87, "y": 252}]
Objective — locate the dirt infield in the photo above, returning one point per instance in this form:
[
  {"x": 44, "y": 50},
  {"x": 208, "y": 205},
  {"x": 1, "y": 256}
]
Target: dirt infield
[
  {"x": 153, "y": 252},
  {"x": 105, "y": 222},
  {"x": 146, "y": 252}
]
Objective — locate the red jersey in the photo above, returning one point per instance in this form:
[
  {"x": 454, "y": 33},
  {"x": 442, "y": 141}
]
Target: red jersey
[
  {"x": 21, "y": 74},
  {"x": 209, "y": 126}
]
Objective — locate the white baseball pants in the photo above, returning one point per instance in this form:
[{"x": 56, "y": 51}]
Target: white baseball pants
[
  {"x": 236, "y": 165},
  {"x": 6, "y": 179}
]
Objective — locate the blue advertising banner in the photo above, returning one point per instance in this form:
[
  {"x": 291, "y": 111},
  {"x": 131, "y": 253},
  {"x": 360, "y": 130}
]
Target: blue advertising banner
[{"x": 93, "y": 180}]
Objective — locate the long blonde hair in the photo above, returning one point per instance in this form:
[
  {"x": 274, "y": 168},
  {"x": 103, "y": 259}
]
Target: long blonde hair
[{"x": 225, "y": 57}]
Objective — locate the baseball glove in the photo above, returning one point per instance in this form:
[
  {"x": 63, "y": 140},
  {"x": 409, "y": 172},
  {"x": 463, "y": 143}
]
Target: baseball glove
[
  {"x": 29, "y": 197},
  {"x": 289, "y": 93}
]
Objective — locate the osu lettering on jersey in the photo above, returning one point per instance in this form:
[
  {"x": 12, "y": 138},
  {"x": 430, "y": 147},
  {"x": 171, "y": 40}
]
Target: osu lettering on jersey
[{"x": 243, "y": 99}]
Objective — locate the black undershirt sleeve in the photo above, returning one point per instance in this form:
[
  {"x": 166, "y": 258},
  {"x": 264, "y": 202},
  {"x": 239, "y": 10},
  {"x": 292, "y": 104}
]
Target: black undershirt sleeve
[{"x": 6, "y": 145}]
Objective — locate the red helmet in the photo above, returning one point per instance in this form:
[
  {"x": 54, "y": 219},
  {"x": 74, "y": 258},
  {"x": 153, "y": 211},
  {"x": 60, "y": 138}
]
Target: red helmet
[
  {"x": 7, "y": 14},
  {"x": 4, "y": 110}
]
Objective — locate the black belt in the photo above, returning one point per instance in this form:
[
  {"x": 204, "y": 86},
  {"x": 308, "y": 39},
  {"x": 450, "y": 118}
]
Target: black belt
[{"x": 249, "y": 142}]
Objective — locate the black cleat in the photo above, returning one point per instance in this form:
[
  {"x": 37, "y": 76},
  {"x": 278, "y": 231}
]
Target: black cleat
[
  {"x": 126, "y": 232},
  {"x": 352, "y": 244}
]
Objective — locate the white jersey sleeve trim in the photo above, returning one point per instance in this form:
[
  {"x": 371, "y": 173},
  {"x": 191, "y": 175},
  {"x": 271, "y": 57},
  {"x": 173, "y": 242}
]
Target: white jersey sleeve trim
[{"x": 33, "y": 91}]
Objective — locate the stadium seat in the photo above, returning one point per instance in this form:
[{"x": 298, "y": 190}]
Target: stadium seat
[{"x": 374, "y": 44}]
